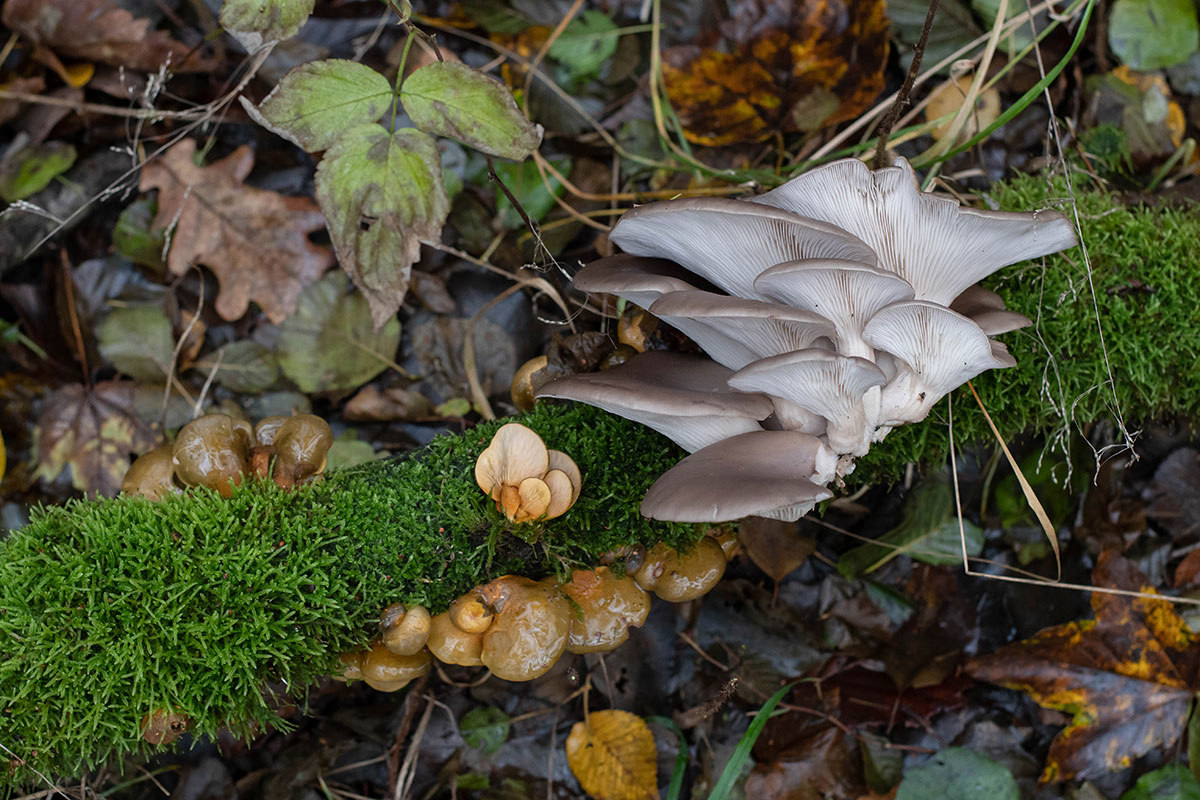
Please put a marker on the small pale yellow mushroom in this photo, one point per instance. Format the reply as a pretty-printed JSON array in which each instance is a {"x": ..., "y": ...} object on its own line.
[
  {"x": 211, "y": 451},
  {"x": 451, "y": 645},
  {"x": 679, "y": 577},
  {"x": 301, "y": 444},
  {"x": 470, "y": 615},
  {"x": 533, "y": 620},
  {"x": 404, "y": 631},
  {"x": 385, "y": 671},
  {"x": 151, "y": 475},
  {"x": 162, "y": 727},
  {"x": 526, "y": 480},
  {"x": 608, "y": 607}
]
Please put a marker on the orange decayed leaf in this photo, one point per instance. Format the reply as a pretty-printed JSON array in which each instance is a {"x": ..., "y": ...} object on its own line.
[
  {"x": 255, "y": 241},
  {"x": 781, "y": 67},
  {"x": 613, "y": 757},
  {"x": 1127, "y": 677}
]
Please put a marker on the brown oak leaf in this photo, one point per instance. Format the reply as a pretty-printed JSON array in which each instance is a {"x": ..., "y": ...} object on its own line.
[
  {"x": 93, "y": 432},
  {"x": 1127, "y": 677},
  {"x": 779, "y": 66},
  {"x": 100, "y": 30},
  {"x": 255, "y": 241}
]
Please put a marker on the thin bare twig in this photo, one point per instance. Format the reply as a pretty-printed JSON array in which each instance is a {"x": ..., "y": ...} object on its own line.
[{"x": 885, "y": 129}]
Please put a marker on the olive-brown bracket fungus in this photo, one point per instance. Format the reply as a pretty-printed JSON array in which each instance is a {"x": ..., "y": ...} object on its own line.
[{"x": 836, "y": 307}]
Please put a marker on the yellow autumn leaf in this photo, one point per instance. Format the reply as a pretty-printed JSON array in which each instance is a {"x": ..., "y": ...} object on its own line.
[{"x": 613, "y": 756}]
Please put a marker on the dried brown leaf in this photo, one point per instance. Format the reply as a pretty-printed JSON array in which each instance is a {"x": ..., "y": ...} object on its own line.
[
  {"x": 93, "y": 432},
  {"x": 255, "y": 241},
  {"x": 100, "y": 30},
  {"x": 777, "y": 547}
]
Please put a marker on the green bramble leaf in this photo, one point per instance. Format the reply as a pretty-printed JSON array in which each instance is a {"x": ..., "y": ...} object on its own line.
[
  {"x": 317, "y": 102},
  {"x": 382, "y": 193},
  {"x": 255, "y": 23},
  {"x": 328, "y": 344},
  {"x": 451, "y": 99},
  {"x": 1153, "y": 34},
  {"x": 27, "y": 171}
]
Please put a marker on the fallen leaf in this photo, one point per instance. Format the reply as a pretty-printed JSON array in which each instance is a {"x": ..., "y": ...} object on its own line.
[
  {"x": 395, "y": 402},
  {"x": 246, "y": 366},
  {"x": 1152, "y": 34},
  {"x": 28, "y": 170},
  {"x": 961, "y": 774},
  {"x": 100, "y": 30},
  {"x": 1172, "y": 782},
  {"x": 254, "y": 241},
  {"x": 1127, "y": 678},
  {"x": 777, "y": 547},
  {"x": 329, "y": 343},
  {"x": 586, "y": 43},
  {"x": 779, "y": 67},
  {"x": 612, "y": 755},
  {"x": 1175, "y": 493},
  {"x": 928, "y": 532},
  {"x": 826, "y": 766},
  {"x": 256, "y": 22},
  {"x": 9, "y": 108},
  {"x": 93, "y": 432},
  {"x": 138, "y": 341},
  {"x": 382, "y": 194}
]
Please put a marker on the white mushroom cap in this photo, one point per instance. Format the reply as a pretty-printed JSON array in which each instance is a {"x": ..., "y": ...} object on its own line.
[
  {"x": 639, "y": 280},
  {"x": 764, "y": 473},
  {"x": 940, "y": 351},
  {"x": 987, "y": 310},
  {"x": 735, "y": 331},
  {"x": 682, "y": 397},
  {"x": 729, "y": 242},
  {"x": 845, "y": 292},
  {"x": 937, "y": 245},
  {"x": 822, "y": 382}
]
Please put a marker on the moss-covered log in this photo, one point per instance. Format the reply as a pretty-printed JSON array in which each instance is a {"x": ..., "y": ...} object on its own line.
[{"x": 112, "y": 609}]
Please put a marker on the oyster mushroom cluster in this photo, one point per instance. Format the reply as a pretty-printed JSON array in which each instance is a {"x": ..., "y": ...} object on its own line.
[
  {"x": 218, "y": 452},
  {"x": 518, "y": 628},
  {"x": 834, "y": 308}
]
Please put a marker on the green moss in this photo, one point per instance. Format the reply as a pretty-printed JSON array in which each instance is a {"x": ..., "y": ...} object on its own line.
[
  {"x": 110, "y": 609},
  {"x": 1144, "y": 268}
]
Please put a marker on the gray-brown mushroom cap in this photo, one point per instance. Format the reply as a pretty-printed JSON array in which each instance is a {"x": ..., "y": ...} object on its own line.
[
  {"x": 824, "y": 383},
  {"x": 763, "y": 473},
  {"x": 845, "y": 292},
  {"x": 639, "y": 280},
  {"x": 735, "y": 331},
  {"x": 682, "y": 397},
  {"x": 939, "y": 349},
  {"x": 933, "y": 242},
  {"x": 729, "y": 242},
  {"x": 987, "y": 310}
]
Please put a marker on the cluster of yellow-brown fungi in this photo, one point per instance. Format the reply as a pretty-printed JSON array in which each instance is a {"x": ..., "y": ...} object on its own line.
[
  {"x": 517, "y": 627},
  {"x": 217, "y": 451}
]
